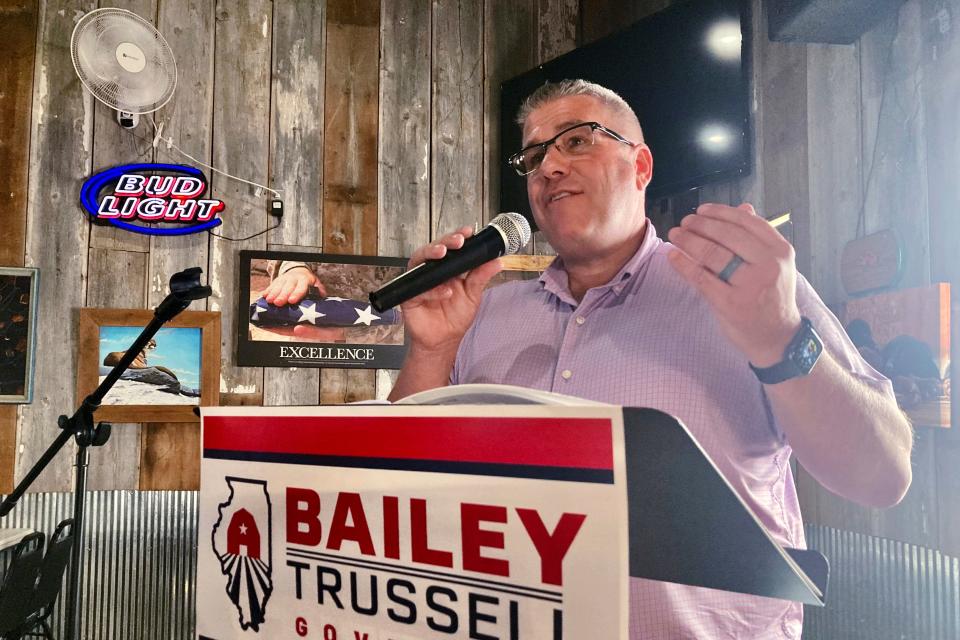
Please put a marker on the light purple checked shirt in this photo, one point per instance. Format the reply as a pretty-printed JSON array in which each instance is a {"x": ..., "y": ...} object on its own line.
[{"x": 648, "y": 339}]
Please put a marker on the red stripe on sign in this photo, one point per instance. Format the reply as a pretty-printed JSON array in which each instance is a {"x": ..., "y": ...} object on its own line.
[{"x": 554, "y": 442}]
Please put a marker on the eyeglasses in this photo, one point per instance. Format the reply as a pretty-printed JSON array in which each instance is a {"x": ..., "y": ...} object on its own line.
[{"x": 572, "y": 141}]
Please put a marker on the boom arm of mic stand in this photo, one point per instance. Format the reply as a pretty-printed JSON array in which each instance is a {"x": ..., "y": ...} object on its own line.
[{"x": 185, "y": 287}]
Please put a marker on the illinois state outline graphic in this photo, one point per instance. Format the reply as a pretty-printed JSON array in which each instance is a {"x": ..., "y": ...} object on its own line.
[{"x": 241, "y": 540}]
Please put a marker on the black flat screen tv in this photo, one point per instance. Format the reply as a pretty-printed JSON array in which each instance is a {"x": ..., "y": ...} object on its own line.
[{"x": 686, "y": 73}]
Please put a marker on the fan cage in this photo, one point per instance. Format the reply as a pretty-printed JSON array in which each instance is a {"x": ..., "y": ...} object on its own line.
[{"x": 104, "y": 77}]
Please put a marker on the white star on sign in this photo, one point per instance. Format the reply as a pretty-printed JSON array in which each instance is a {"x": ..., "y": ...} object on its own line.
[
  {"x": 257, "y": 310},
  {"x": 243, "y": 529},
  {"x": 309, "y": 313},
  {"x": 365, "y": 316}
]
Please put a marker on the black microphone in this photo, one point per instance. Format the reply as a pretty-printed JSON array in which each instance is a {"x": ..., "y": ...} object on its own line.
[{"x": 505, "y": 235}]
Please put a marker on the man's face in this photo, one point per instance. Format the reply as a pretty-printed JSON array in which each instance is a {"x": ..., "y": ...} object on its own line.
[{"x": 591, "y": 203}]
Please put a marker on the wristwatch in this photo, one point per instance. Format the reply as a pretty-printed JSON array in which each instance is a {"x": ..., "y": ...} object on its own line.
[{"x": 798, "y": 360}]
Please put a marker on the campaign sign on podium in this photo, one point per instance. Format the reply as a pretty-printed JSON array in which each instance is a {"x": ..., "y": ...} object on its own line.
[{"x": 389, "y": 522}]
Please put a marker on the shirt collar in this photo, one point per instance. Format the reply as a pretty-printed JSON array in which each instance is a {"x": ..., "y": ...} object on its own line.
[{"x": 556, "y": 281}]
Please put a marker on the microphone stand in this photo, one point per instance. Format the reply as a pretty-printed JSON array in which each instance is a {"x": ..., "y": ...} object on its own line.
[{"x": 185, "y": 287}]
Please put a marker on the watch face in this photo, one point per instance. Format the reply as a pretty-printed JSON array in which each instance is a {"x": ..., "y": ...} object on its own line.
[{"x": 806, "y": 353}]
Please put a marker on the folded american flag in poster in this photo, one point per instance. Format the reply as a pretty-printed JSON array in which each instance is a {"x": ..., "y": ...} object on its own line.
[{"x": 331, "y": 311}]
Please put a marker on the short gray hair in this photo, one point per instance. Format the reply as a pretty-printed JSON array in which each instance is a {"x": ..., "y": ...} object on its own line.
[{"x": 551, "y": 91}]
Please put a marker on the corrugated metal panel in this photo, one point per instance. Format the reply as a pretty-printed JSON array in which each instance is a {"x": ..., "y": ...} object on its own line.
[
  {"x": 140, "y": 562},
  {"x": 140, "y": 573},
  {"x": 883, "y": 589}
]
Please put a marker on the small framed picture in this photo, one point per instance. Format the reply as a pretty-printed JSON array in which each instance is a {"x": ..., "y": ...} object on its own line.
[
  {"x": 19, "y": 288},
  {"x": 177, "y": 370},
  {"x": 322, "y": 317}
]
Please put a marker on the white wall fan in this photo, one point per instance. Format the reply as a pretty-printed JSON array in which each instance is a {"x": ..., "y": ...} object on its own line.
[{"x": 124, "y": 62}]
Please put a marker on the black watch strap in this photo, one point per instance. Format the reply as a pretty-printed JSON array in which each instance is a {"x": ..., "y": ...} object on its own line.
[
  {"x": 799, "y": 358},
  {"x": 780, "y": 372}
]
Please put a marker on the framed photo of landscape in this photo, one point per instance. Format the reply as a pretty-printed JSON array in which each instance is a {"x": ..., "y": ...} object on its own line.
[{"x": 176, "y": 371}]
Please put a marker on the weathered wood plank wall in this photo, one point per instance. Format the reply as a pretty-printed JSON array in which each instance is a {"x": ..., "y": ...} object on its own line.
[
  {"x": 940, "y": 89},
  {"x": 169, "y": 451},
  {"x": 375, "y": 119},
  {"x": 114, "y": 252},
  {"x": 457, "y": 100},
  {"x": 18, "y": 39},
  {"x": 854, "y": 139},
  {"x": 350, "y": 157},
  {"x": 403, "y": 190},
  {"x": 378, "y": 121},
  {"x": 296, "y": 159},
  {"x": 58, "y": 235},
  {"x": 241, "y": 146}
]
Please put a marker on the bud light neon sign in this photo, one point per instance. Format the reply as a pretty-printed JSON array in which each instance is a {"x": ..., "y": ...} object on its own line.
[{"x": 141, "y": 194}]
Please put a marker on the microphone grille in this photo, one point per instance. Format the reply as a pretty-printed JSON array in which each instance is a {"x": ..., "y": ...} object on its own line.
[{"x": 515, "y": 228}]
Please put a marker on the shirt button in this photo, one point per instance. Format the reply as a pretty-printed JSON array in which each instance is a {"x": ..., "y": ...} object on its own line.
[
  {"x": 581, "y": 319},
  {"x": 566, "y": 374}
]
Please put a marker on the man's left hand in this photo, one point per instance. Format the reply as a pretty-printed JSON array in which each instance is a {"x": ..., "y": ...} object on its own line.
[{"x": 756, "y": 304}]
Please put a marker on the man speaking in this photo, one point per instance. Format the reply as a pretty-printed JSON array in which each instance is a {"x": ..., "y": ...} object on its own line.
[{"x": 715, "y": 327}]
